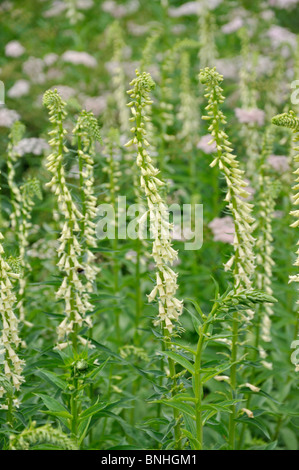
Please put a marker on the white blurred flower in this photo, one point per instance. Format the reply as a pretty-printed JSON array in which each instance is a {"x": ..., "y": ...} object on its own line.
[
  {"x": 96, "y": 104},
  {"x": 34, "y": 69},
  {"x": 79, "y": 58},
  {"x": 8, "y": 117},
  {"x": 50, "y": 59},
  {"x": 119, "y": 11},
  {"x": 193, "y": 8},
  {"x": 283, "y": 4},
  {"x": 228, "y": 67},
  {"x": 279, "y": 35},
  {"x": 20, "y": 88},
  {"x": 65, "y": 91},
  {"x": 189, "y": 8},
  {"x": 233, "y": 26},
  {"x": 33, "y": 145},
  {"x": 14, "y": 49},
  {"x": 56, "y": 9}
]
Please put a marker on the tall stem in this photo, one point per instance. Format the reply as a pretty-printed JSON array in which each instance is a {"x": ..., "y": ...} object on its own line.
[
  {"x": 233, "y": 380},
  {"x": 176, "y": 414}
]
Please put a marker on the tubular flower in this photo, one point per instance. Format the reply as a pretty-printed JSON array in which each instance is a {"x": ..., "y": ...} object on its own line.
[
  {"x": 72, "y": 289},
  {"x": 10, "y": 339},
  {"x": 236, "y": 197},
  {"x": 87, "y": 132},
  {"x": 170, "y": 308},
  {"x": 291, "y": 121},
  {"x": 266, "y": 205}
]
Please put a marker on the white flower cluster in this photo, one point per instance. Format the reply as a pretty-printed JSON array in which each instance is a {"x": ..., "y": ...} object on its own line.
[
  {"x": 16, "y": 134},
  {"x": 14, "y": 49},
  {"x": 34, "y": 145},
  {"x": 118, "y": 76},
  {"x": 87, "y": 131},
  {"x": 8, "y": 117},
  {"x": 188, "y": 112},
  {"x": 112, "y": 151},
  {"x": 264, "y": 249},
  {"x": 170, "y": 308},
  {"x": 20, "y": 88},
  {"x": 10, "y": 340},
  {"x": 79, "y": 58},
  {"x": 236, "y": 197},
  {"x": 72, "y": 289}
]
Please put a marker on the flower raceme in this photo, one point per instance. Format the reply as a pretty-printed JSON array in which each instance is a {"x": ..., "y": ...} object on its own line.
[
  {"x": 72, "y": 289},
  {"x": 10, "y": 339},
  {"x": 237, "y": 195},
  {"x": 170, "y": 308},
  {"x": 87, "y": 132},
  {"x": 291, "y": 121}
]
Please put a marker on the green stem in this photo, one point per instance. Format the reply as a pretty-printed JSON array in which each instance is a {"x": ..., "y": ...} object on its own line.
[
  {"x": 233, "y": 381},
  {"x": 176, "y": 414},
  {"x": 138, "y": 293},
  {"x": 74, "y": 410}
]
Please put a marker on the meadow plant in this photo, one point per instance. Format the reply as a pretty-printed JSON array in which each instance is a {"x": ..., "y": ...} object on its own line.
[
  {"x": 72, "y": 289},
  {"x": 242, "y": 262}
]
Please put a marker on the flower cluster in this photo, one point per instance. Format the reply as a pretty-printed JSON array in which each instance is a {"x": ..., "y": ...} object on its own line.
[
  {"x": 291, "y": 121},
  {"x": 87, "y": 132},
  {"x": 72, "y": 289},
  {"x": 170, "y": 308},
  {"x": 112, "y": 151},
  {"x": 236, "y": 197},
  {"x": 10, "y": 339},
  {"x": 16, "y": 134},
  {"x": 263, "y": 228},
  {"x": 188, "y": 112},
  {"x": 118, "y": 77},
  {"x": 47, "y": 434}
]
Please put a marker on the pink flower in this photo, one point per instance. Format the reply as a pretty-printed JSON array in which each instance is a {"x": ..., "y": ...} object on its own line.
[
  {"x": 204, "y": 145},
  {"x": 233, "y": 26},
  {"x": 279, "y": 163},
  {"x": 250, "y": 116},
  {"x": 283, "y": 4},
  {"x": 279, "y": 35},
  {"x": 223, "y": 229}
]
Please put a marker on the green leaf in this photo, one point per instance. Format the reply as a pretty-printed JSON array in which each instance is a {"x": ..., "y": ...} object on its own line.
[
  {"x": 183, "y": 407},
  {"x": 180, "y": 360}
]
